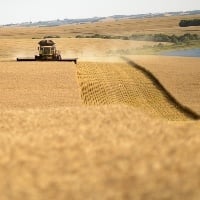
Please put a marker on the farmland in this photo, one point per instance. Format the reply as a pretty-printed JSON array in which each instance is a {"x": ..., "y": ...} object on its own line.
[
  {"x": 110, "y": 127},
  {"x": 167, "y": 25}
]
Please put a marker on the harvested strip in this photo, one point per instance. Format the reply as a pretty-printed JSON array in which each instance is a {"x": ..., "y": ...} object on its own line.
[{"x": 118, "y": 83}]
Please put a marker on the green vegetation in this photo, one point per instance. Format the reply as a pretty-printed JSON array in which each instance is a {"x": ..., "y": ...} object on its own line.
[
  {"x": 166, "y": 38},
  {"x": 193, "y": 22},
  {"x": 103, "y": 36},
  {"x": 36, "y": 38},
  {"x": 47, "y": 37},
  {"x": 51, "y": 36},
  {"x": 155, "y": 49},
  {"x": 149, "y": 37},
  {"x": 185, "y": 41}
]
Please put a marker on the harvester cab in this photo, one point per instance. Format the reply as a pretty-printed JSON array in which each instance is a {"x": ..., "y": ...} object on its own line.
[{"x": 48, "y": 52}]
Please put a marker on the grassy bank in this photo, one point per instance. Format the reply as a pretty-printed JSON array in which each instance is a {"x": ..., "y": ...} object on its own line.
[{"x": 164, "y": 42}]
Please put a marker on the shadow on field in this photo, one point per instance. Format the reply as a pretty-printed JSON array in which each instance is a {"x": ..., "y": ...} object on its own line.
[{"x": 187, "y": 111}]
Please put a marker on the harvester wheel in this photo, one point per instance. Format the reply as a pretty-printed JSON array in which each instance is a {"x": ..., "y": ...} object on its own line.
[
  {"x": 59, "y": 57},
  {"x": 36, "y": 57}
]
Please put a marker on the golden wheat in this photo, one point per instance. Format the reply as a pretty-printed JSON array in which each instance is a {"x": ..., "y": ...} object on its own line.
[
  {"x": 166, "y": 25},
  {"x": 122, "y": 84},
  {"x": 55, "y": 146},
  {"x": 38, "y": 85},
  {"x": 179, "y": 75},
  {"x": 10, "y": 49}
]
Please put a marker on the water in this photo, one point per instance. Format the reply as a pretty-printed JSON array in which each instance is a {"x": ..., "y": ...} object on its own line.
[{"x": 184, "y": 53}]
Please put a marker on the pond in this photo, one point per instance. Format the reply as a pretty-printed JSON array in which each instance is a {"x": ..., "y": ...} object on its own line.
[{"x": 184, "y": 53}]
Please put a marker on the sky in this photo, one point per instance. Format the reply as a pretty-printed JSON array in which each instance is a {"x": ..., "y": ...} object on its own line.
[{"x": 16, "y": 11}]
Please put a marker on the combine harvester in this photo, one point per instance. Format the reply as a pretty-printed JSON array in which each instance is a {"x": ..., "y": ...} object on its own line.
[{"x": 47, "y": 52}]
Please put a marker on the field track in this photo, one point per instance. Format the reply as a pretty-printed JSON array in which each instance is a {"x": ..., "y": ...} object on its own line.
[{"x": 118, "y": 83}]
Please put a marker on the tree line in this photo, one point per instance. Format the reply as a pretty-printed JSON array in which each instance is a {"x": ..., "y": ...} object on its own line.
[
  {"x": 148, "y": 37},
  {"x": 193, "y": 22}
]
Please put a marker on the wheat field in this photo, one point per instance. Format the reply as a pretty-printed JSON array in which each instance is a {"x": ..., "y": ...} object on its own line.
[
  {"x": 121, "y": 84},
  {"x": 95, "y": 130},
  {"x": 184, "y": 75},
  {"x": 167, "y": 25},
  {"x": 106, "y": 128},
  {"x": 69, "y": 47}
]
